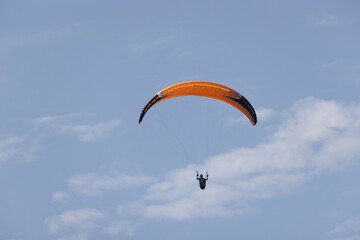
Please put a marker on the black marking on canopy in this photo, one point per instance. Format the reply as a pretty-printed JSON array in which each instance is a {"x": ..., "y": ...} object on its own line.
[
  {"x": 152, "y": 101},
  {"x": 246, "y": 104}
]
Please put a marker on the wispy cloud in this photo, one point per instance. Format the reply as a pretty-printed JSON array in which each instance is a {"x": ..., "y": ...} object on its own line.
[
  {"x": 316, "y": 137},
  {"x": 117, "y": 227},
  {"x": 333, "y": 63},
  {"x": 8, "y": 43},
  {"x": 94, "y": 184},
  {"x": 348, "y": 225},
  {"x": 60, "y": 118},
  {"x": 353, "y": 67},
  {"x": 77, "y": 236},
  {"x": 149, "y": 43},
  {"x": 356, "y": 81},
  {"x": 263, "y": 114},
  {"x": 86, "y": 133},
  {"x": 83, "y": 222},
  {"x": 25, "y": 147},
  {"x": 17, "y": 148},
  {"x": 81, "y": 219},
  {"x": 60, "y": 196},
  {"x": 350, "y": 229},
  {"x": 349, "y": 238},
  {"x": 341, "y": 62},
  {"x": 165, "y": 39},
  {"x": 326, "y": 21},
  {"x": 83, "y": 132}
]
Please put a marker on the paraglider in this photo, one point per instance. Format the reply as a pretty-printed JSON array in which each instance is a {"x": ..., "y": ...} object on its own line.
[{"x": 203, "y": 89}]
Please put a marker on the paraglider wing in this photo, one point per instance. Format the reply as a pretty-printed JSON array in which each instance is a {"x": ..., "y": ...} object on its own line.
[{"x": 204, "y": 89}]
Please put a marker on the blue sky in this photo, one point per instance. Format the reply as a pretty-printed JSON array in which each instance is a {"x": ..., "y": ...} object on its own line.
[{"x": 75, "y": 164}]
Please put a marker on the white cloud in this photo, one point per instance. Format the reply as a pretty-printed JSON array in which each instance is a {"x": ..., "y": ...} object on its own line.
[
  {"x": 23, "y": 148},
  {"x": 87, "y": 133},
  {"x": 93, "y": 184},
  {"x": 348, "y": 238},
  {"x": 59, "y": 118},
  {"x": 353, "y": 67},
  {"x": 83, "y": 132},
  {"x": 17, "y": 148},
  {"x": 78, "y": 236},
  {"x": 263, "y": 114},
  {"x": 348, "y": 225},
  {"x": 165, "y": 39},
  {"x": 333, "y": 63},
  {"x": 356, "y": 81},
  {"x": 60, "y": 196},
  {"x": 116, "y": 228},
  {"x": 233, "y": 121},
  {"x": 8, "y": 148},
  {"x": 17, "y": 41},
  {"x": 316, "y": 137},
  {"x": 147, "y": 44},
  {"x": 327, "y": 21},
  {"x": 81, "y": 219}
]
